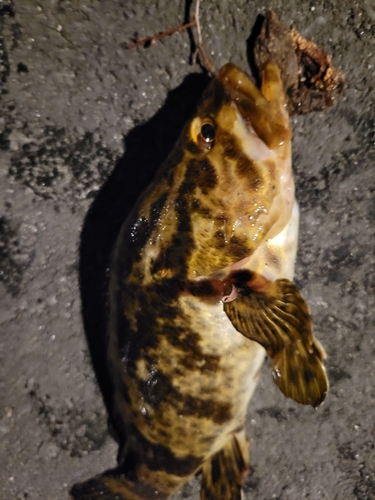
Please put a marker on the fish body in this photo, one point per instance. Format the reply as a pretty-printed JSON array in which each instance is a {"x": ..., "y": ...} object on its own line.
[{"x": 200, "y": 291}]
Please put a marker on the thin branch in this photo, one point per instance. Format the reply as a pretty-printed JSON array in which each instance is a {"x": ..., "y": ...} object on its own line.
[
  {"x": 151, "y": 40},
  {"x": 199, "y": 51},
  {"x": 197, "y": 20}
]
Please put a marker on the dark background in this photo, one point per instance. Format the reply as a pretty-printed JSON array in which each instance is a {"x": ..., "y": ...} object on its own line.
[{"x": 84, "y": 123}]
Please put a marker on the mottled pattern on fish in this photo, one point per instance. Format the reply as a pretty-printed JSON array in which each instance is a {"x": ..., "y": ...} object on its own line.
[{"x": 222, "y": 204}]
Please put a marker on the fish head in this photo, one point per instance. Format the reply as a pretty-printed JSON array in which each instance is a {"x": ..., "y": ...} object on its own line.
[
  {"x": 226, "y": 186},
  {"x": 237, "y": 166}
]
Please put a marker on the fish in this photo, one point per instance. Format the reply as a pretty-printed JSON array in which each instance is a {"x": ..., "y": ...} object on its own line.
[{"x": 201, "y": 292}]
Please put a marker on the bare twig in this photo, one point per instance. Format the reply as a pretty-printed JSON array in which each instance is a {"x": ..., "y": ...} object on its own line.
[
  {"x": 151, "y": 40},
  {"x": 199, "y": 51},
  {"x": 196, "y": 16}
]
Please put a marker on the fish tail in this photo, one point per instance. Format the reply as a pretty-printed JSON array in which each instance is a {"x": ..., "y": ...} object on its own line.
[
  {"x": 222, "y": 474},
  {"x": 113, "y": 485},
  {"x": 104, "y": 487}
]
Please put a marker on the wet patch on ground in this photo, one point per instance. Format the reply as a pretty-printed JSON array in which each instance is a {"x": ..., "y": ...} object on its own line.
[{"x": 58, "y": 166}]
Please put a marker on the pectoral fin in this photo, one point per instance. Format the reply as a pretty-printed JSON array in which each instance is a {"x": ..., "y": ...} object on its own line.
[{"x": 275, "y": 315}]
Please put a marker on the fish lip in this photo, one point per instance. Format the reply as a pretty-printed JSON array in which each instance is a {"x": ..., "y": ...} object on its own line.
[
  {"x": 242, "y": 91},
  {"x": 234, "y": 78},
  {"x": 269, "y": 121}
]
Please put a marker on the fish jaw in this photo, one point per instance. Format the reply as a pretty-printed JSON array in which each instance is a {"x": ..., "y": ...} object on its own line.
[
  {"x": 263, "y": 110},
  {"x": 263, "y": 132}
]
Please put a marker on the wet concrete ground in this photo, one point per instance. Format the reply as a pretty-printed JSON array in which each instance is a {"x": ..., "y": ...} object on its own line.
[{"x": 75, "y": 103}]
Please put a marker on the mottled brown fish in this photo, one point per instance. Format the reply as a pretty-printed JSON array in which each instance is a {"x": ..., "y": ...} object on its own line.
[{"x": 201, "y": 291}]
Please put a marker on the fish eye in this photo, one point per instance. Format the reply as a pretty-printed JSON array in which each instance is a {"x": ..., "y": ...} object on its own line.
[
  {"x": 206, "y": 135},
  {"x": 203, "y": 133},
  {"x": 208, "y": 132}
]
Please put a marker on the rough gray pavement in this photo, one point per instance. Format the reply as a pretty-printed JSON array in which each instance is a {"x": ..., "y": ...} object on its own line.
[{"x": 71, "y": 93}]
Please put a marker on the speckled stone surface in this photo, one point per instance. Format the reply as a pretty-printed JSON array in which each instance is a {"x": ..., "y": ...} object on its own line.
[{"x": 77, "y": 106}]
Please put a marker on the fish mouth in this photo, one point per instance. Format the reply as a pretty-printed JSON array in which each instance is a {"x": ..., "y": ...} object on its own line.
[
  {"x": 238, "y": 84},
  {"x": 249, "y": 100},
  {"x": 257, "y": 112}
]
